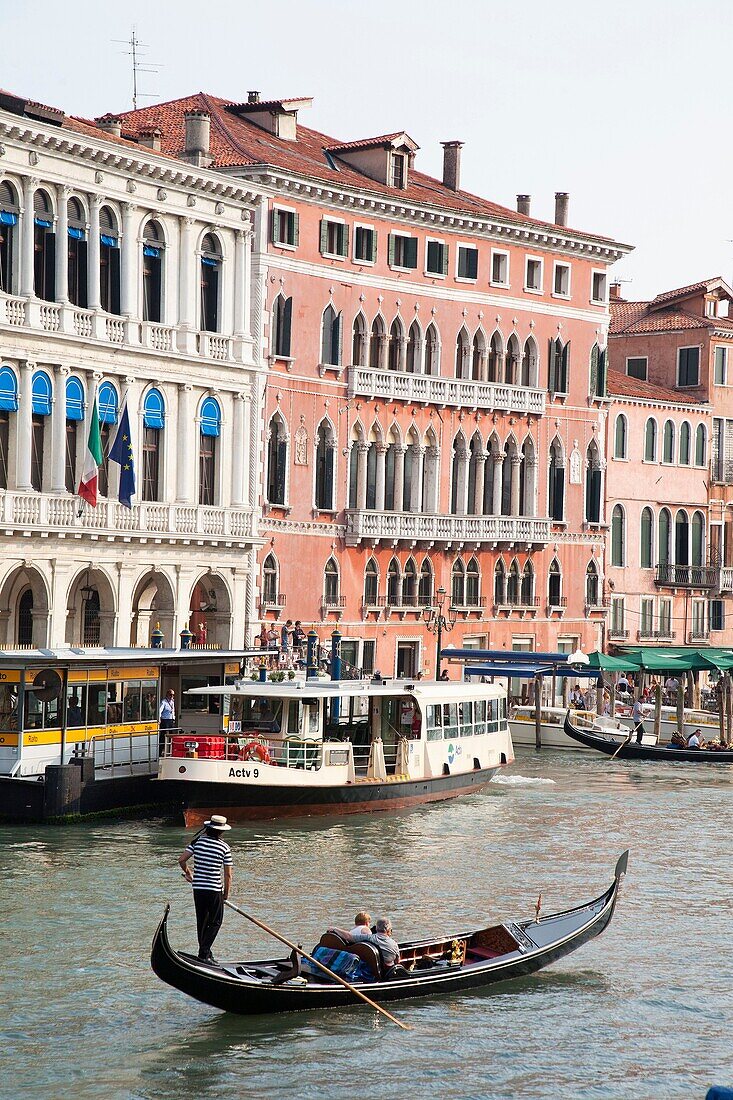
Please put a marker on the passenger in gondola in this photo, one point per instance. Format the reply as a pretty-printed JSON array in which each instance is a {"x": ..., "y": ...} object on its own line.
[
  {"x": 381, "y": 938},
  {"x": 695, "y": 740},
  {"x": 361, "y": 930},
  {"x": 677, "y": 741}
]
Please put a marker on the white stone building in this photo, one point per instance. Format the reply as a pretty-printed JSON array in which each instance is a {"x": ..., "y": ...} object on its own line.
[{"x": 125, "y": 271}]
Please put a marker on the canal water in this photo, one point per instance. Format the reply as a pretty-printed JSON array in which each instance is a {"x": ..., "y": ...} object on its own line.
[{"x": 645, "y": 1011}]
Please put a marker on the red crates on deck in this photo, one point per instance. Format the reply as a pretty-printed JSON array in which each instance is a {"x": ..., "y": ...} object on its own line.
[{"x": 208, "y": 748}]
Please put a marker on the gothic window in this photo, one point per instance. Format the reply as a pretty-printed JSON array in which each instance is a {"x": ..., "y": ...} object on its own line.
[
  {"x": 277, "y": 459},
  {"x": 282, "y": 313}
]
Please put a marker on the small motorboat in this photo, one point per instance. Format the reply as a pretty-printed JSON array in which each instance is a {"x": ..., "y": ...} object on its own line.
[
  {"x": 631, "y": 750},
  {"x": 463, "y": 960}
]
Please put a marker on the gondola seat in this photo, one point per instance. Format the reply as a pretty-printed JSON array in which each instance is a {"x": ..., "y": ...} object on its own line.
[{"x": 367, "y": 952}]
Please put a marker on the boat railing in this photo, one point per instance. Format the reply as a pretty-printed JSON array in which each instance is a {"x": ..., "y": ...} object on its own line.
[
  {"x": 250, "y": 746},
  {"x": 123, "y": 754}
]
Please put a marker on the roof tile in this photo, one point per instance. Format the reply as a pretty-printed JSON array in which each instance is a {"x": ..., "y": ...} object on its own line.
[{"x": 622, "y": 385}]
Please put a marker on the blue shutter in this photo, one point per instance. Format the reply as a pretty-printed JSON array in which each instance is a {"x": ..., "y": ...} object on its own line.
[
  {"x": 111, "y": 242},
  {"x": 74, "y": 399},
  {"x": 210, "y": 417},
  {"x": 107, "y": 403},
  {"x": 43, "y": 222},
  {"x": 154, "y": 409},
  {"x": 8, "y": 390},
  {"x": 8, "y": 218},
  {"x": 148, "y": 250},
  {"x": 42, "y": 392},
  {"x": 76, "y": 234}
]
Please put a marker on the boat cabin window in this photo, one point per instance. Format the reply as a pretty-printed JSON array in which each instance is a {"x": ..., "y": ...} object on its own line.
[
  {"x": 303, "y": 717},
  {"x": 96, "y": 704},
  {"x": 479, "y": 716},
  {"x": 465, "y": 718},
  {"x": 114, "y": 703},
  {"x": 8, "y": 707},
  {"x": 76, "y": 705},
  {"x": 262, "y": 714},
  {"x": 434, "y": 721},
  {"x": 40, "y": 715},
  {"x": 139, "y": 700},
  {"x": 347, "y": 719},
  {"x": 450, "y": 720},
  {"x": 199, "y": 704}
]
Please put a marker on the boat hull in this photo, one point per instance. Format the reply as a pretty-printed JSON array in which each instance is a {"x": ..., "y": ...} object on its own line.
[
  {"x": 632, "y": 751},
  {"x": 250, "y": 803},
  {"x": 222, "y": 987}
]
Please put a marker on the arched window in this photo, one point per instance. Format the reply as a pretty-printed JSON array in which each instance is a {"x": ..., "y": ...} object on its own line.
[
  {"x": 371, "y": 476},
  {"x": 210, "y": 276},
  {"x": 91, "y": 626},
  {"x": 618, "y": 536},
  {"x": 527, "y": 477},
  {"x": 668, "y": 442},
  {"x": 557, "y": 366},
  {"x": 499, "y": 584},
  {"x": 277, "y": 461},
  {"x": 511, "y": 362},
  {"x": 109, "y": 261},
  {"x": 530, "y": 368},
  {"x": 508, "y": 473},
  {"x": 478, "y": 356},
  {"x": 371, "y": 584},
  {"x": 620, "y": 434},
  {"x": 208, "y": 450},
  {"x": 394, "y": 578},
  {"x": 665, "y": 531},
  {"x": 495, "y": 357},
  {"x": 527, "y": 591},
  {"x": 425, "y": 592},
  {"x": 457, "y": 463},
  {"x": 42, "y": 395},
  {"x": 152, "y": 269},
  {"x": 25, "y": 618},
  {"x": 685, "y": 442},
  {"x": 8, "y": 406},
  {"x": 458, "y": 584},
  {"x": 359, "y": 341},
  {"x": 270, "y": 582},
  {"x": 700, "y": 446},
  {"x": 376, "y": 342},
  {"x": 354, "y": 473},
  {"x": 512, "y": 584},
  {"x": 593, "y": 484},
  {"x": 153, "y": 426},
  {"x": 473, "y": 584},
  {"x": 650, "y": 440},
  {"x": 698, "y": 539},
  {"x": 432, "y": 350},
  {"x": 325, "y": 451},
  {"x": 331, "y": 596},
  {"x": 681, "y": 538},
  {"x": 9, "y": 210},
  {"x": 475, "y": 451},
  {"x": 75, "y": 408},
  {"x": 107, "y": 405},
  {"x": 462, "y": 354},
  {"x": 282, "y": 315},
  {"x": 331, "y": 337},
  {"x": 409, "y": 584},
  {"x": 44, "y": 248},
  {"x": 598, "y": 371},
  {"x": 592, "y": 594},
  {"x": 554, "y": 584},
  {"x": 412, "y": 359},
  {"x": 77, "y": 253},
  {"x": 394, "y": 351},
  {"x": 645, "y": 543}
]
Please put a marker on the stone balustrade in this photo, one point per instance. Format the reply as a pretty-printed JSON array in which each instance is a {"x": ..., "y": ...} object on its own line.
[
  {"x": 414, "y": 527},
  {"x": 433, "y": 390}
]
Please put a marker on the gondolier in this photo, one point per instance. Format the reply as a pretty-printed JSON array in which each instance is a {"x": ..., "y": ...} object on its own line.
[{"x": 211, "y": 879}]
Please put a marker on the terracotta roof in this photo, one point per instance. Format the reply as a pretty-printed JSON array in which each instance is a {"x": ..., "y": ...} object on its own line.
[
  {"x": 287, "y": 102},
  {"x": 366, "y": 143},
  {"x": 674, "y": 320},
  {"x": 681, "y": 292},
  {"x": 235, "y": 142},
  {"x": 624, "y": 313},
  {"x": 622, "y": 385}
]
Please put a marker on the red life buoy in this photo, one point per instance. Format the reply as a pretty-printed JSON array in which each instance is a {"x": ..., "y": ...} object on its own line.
[{"x": 253, "y": 750}]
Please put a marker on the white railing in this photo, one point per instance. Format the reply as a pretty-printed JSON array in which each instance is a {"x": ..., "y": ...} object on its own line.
[
  {"x": 375, "y": 526},
  {"x": 157, "y": 337},
  {"x": 115, "y": 329},
  {"x": 50, "y": 317},
  {"x": 212, "y": 346},
  {"x": 83, "y": 321},
  {"x": 430, "y": 390},
  {"x": 46, "y": 512},
  {"x": 15, "y": 312},
  {"x": 726, "y": 579}
]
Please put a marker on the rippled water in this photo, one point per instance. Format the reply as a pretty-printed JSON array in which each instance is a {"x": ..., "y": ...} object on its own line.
[{"x": 645, "y": 1011}]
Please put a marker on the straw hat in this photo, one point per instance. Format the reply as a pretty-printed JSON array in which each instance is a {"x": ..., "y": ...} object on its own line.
[{"x": 218, "y": 821}]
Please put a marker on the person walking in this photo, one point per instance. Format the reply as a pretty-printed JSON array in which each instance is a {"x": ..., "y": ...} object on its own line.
[{"x": 211, "y": 880}]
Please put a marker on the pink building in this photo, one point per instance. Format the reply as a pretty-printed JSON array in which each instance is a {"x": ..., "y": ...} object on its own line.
[{"x": 435, "y": 413}]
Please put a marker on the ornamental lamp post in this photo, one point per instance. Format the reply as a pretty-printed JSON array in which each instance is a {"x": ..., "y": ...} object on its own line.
[{"x": 436, "y": 623}]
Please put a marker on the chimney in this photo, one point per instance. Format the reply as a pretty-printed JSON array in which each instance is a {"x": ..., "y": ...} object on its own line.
[
  {"x": 561, "y": 207},
  {"x": 523, "y": 202},
  {"x": 615, "y": 293},
  {"x": 452, "y": 164},
  {"x": 150, "y": 139},
  {"x": 111, "y": 125},
  {"x": 253, "y": 97},
  {"x": 196, "y": 143}
]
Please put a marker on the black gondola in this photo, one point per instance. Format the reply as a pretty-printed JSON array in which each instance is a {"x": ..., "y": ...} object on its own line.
[
  {"x": 631, "y": 750},
  {"x": 467, "y": 960}
]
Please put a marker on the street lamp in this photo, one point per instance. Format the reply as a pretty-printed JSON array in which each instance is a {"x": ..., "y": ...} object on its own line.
[{"x": 437, "y": 623}]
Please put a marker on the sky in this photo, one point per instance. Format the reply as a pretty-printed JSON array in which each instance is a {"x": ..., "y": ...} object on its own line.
[{"x": 622, "y": 104}]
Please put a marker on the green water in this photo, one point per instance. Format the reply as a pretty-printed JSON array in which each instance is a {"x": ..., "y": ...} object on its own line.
[{"x": 645, "y": 1011}]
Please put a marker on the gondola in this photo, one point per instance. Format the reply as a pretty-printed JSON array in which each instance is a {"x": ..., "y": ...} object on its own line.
[
  {"x": 631, "y": 750},
  {"x": 467, "y": 960}
]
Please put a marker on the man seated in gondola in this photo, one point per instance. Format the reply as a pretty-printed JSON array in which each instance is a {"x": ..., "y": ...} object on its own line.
[
  {"x": 381, "y": 938},
  {"x": 695, "y": 740}
]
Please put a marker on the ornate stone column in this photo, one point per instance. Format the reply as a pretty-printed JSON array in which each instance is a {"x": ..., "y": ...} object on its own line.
[
  {"x": 25, "y": 426},
  {"x": 186, "y": 301},
  {"x": 58, "y": 431},
  {"x": 185, "y": 460},
  {"x": 498, "y": 475},
  {"x": 241, "y": 310},
  {"x": 30, "y": 183},
  {"x": 381, "y": 473},
  {"x": 478, "y": 490},
  {"x": 128, "y": 263},
  {"x": 93, "y": 252},
  {"x": 402, "y": 355},
  {"x": 62, "y": 244},
  {"x": 362, "y": 450},
  {"x": 238, "y": 450},
  {"x": 516, "y": 463},
  {"x": 417, "y": 475},
  {"x": 399, "y": 477}
]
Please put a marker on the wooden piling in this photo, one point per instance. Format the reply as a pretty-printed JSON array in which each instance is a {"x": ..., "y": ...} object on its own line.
[{"x": 538, "y": 712}]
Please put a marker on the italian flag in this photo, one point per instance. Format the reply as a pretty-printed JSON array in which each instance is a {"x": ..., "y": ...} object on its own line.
[{"x": 92, "y": 461}]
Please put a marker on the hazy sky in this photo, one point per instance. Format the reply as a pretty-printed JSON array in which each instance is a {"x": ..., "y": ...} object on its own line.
[{"x": 623, "y": 104}]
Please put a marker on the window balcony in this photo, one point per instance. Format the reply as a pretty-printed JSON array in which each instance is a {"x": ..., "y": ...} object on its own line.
[
  {"x": 373, "y": 527},
  {"x": 687, "y": 576},
  {"x": 618, "y": 634},
  {"x": 698, "y": 635},
  {"x": 424, "y": 389},
  {"x": 557, "y": 605},
  {"x": 273, "y": 601},
  {"x": 45, "y": 513},
  {"x": 599, "y": 605},
  {"x": 655, "y": 635}
]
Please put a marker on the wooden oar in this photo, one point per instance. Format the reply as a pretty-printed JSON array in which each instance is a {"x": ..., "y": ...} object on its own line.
[
  {"x": 623, "y": 743},
  {"x": 330, "y": 973}
]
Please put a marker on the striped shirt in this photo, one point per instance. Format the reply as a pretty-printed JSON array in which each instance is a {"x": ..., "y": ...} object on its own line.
[{"x": 210, "y": 855}]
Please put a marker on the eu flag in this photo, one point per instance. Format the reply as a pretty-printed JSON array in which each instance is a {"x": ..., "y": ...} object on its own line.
[{"x": 121, "y": 451}]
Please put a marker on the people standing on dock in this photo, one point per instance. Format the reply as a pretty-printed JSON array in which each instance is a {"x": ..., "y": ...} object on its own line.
[
  {"x": 167, "y": 713},
  {"x": 211, "y": 879}
]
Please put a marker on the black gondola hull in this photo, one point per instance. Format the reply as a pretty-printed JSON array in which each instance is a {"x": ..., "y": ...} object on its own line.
[
  {"x": 216, "y": 986},
  {"x": 631, "y": 750}
]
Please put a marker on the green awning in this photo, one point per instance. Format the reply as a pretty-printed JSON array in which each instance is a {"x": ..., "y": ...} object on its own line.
[{"x": 611, "y": 664}]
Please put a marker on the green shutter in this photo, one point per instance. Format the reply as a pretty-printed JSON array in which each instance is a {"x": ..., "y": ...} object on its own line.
[
  {"x": 296, "y": 230},
  {"x": 374, "y": 245},
  {"x": 411, "y": 252},
  {"x": 551, "y": 354},
  {"x": 444, "y": 260},
  {"x": 602, "y": 372},
  {"x": 344, "y": 241},
  {"x": 390, "y": 249},
  {"x": 593, "y": 389},
  {"x": 273, "y": 227},
  {"x": 324, "y": 236},
  {"x": 564, "y": 371},
  {"x": 338, "y": 357}
]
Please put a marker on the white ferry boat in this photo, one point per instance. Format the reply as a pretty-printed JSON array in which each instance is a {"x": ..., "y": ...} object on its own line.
[
  {"x": 552, "y": 721},
  {"x": 334, "y": 747}
]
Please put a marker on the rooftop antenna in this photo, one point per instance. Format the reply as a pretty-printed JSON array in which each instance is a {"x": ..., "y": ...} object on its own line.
[{"x": 136, "y": 49}]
